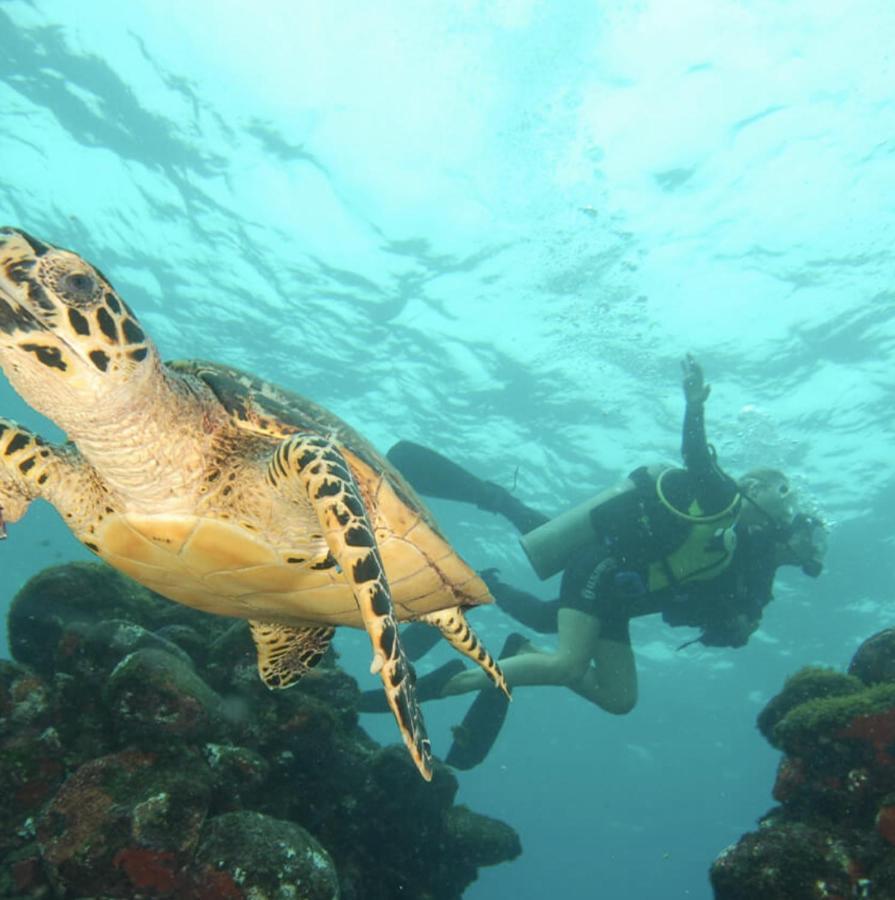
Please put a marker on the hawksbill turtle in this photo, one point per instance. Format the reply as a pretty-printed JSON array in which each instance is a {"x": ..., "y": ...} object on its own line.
[{"x": 217, "y": 489}]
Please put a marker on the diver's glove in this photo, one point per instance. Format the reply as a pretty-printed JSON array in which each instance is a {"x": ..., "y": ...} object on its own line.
[
  {"x": 617, "y": 591},
  {"x": 735, "y": 632},
  {"x": 696, "y": 391}
]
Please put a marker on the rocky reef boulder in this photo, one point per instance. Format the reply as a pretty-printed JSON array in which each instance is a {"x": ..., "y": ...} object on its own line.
[
  {"x": 874, "y": 660},
  {"x": 833, "y": 834},
  {"x": 123, "y": 823},
  {"x": 31, "y": 764},
  {"x": 141, "y": 756},
  {"x": 265, "y": 857},
  {"x": 155, "y": 696},
  {"x": 51, "y": 613}
]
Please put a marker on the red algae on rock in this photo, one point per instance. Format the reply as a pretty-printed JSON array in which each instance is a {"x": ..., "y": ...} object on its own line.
[
  {"x": 142, "y": 758},
  {"x": 833, "y": 836}
]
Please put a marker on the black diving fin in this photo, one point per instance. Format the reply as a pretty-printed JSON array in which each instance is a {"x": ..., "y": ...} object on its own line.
[
  {"x": 427, "y": 688},
  {"x": 475, "y": 735},
  {"x": 435, "y": 475}
]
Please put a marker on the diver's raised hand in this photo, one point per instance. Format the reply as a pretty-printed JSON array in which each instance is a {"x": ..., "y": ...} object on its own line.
[{"x": 696, "y": 390}]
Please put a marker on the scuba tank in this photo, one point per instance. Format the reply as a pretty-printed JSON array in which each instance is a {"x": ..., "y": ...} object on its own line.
[{"x": 549, "y": 547}]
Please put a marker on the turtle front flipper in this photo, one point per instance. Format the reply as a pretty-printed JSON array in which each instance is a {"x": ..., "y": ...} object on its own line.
[
  {"x": 285, "y": 652},
  {"x": 328, "y": 483},
  {"x": 28, "y": 465},
  {"x": 459, "y": 634}
]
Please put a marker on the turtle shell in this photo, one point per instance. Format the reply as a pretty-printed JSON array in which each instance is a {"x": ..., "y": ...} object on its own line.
[
  {"x": 215, "y": 560},
  {"x": 264, "y": 408}
]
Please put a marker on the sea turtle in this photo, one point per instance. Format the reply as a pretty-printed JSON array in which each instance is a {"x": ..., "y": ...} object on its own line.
[{"x": 217, "y": 489}]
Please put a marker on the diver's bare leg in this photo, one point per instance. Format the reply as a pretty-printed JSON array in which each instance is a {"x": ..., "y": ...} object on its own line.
[
  {"x": 611, "y": 681},
  {"x": 578, "y": 641}
]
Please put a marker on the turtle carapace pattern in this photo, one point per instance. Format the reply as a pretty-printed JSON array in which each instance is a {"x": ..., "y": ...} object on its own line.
[{"x": 217, "y": 489}]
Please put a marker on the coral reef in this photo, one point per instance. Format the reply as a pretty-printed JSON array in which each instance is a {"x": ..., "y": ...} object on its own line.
[
  {"x": 140, "y": 756},
  {"x": 833, "y": 834}
]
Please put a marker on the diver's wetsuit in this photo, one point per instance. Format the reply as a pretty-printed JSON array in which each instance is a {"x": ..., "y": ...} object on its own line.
[
  {"x": 714, "y": 488},
  {"x": 727, "y": 607},
  {"x": 607, "y": 578}
]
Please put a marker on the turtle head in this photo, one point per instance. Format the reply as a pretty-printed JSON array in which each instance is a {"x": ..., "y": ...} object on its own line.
[{"x": 67, "y": 340}]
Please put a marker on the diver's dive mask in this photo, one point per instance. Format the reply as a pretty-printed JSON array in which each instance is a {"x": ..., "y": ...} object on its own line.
[{"x": 806, "y": 537}]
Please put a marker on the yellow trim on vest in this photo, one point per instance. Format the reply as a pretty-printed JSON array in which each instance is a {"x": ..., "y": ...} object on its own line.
[
  {"x": 698, "y": 516},
  {"x": 707, "y": 549}
]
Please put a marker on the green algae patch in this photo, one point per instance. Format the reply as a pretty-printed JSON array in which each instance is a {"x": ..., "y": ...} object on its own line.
[
  {"x": 861, "y": 716},
  {"x": 813, "y": 683}
]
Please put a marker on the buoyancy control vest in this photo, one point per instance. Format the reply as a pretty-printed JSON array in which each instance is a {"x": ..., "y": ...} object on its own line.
[
  {"x": 649, "y": 522},
  {"x": 708, "y": 543}
]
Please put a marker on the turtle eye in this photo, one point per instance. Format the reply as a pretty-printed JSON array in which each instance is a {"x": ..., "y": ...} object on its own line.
[{"x": 77, "y": 286}]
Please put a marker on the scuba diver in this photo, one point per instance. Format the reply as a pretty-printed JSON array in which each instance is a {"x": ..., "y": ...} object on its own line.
[{"x": 692, "y": 544}]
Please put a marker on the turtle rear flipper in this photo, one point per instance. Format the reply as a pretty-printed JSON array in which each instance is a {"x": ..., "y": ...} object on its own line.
[
  {"x": 336, "y": 499},
  {"x": 285, "y": 653}
]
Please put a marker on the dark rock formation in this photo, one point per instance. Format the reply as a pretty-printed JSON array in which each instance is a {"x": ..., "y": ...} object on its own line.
[
  {"x": 141, "y": 756},
  {"x": 265, "y": 855},
  {"x": 874, "y": 660},
  {"x": 154, "y": 696},
  {"x": 833, "y": 834},
  {"x": 119, "y": 816}
]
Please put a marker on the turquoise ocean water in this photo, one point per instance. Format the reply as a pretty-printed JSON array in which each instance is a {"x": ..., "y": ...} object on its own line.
[{"x": 494, "y": 228}]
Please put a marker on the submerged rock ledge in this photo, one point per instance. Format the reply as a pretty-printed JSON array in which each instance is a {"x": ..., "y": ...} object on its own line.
[
  {"x": 833, "y": 834},
  {"x": 141, "y": 756}
]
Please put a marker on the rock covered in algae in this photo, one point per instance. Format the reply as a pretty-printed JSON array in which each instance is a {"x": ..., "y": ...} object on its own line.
[
  {"x": 142, "y": 757},
  {"x": 155, "y": 696},
  {"x": 32, "y": 767},
  {"x": 265, "y": 857},
  {"x": 787, "y": 861},
  {"x": 52, "y": 612},
  {"x": 811, "y": 683},
  {"x": 833, "y": 834},
  {"x": 118, "y": 817}
]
